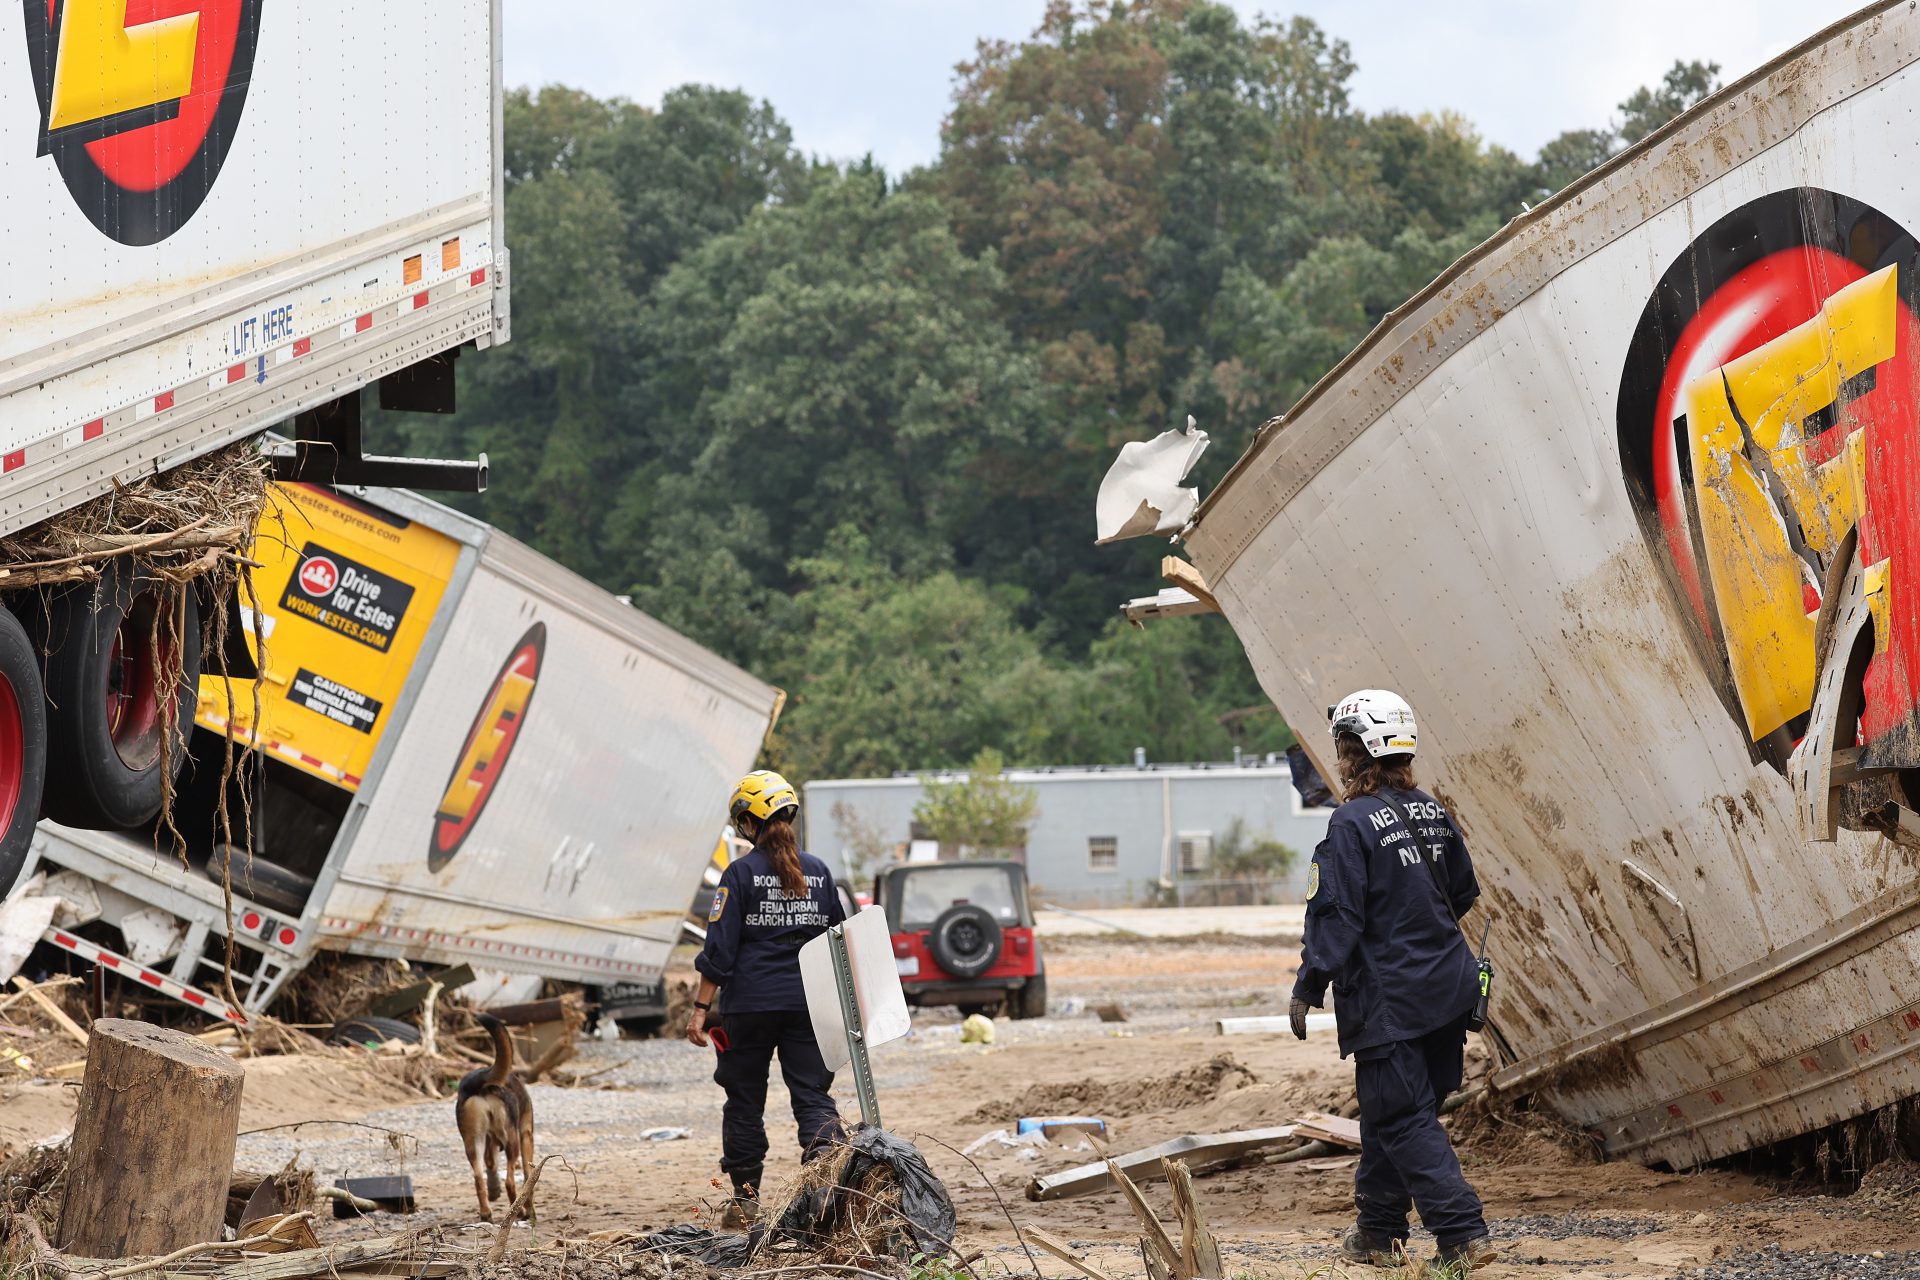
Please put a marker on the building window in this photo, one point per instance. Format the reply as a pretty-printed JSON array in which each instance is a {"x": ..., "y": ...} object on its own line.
[
  {"x": 1196, "y": 851},
  {"x": 1103, "y": 853}
]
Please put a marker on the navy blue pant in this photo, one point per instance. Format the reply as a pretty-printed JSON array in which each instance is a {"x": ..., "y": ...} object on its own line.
[
  {"x": 751, "y": 1041},
  {"x": 1405, "y": 1157}
]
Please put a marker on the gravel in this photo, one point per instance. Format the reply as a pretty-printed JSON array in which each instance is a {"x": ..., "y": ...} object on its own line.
[
  {"x": 1775, "y": 1263},
  {"x": 1571, "y": 1226}
]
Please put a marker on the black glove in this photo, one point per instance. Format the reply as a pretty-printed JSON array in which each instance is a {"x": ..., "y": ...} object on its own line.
[{"x": 1297, "y": 1014}]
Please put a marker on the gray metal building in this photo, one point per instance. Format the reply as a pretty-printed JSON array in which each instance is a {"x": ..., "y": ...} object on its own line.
[{"x": 1103, "y": 835}]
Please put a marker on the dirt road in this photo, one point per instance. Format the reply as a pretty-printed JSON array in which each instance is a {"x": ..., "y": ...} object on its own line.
[{"x": 1160, "y": 1074}]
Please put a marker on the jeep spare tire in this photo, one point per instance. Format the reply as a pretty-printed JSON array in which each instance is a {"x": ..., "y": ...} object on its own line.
[{"x": 965, "y": 940}]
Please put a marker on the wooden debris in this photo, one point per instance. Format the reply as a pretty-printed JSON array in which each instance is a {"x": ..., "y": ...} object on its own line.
[
  {"x": 1200, "y": 1150},
  {"x": 282, "y": 1233},
  {"x": 1199, "y": 1251},
  {"x": 1065, "y": 1252},
  {"x": 52, "y": 1010},
  {"x": 328, "y": 1260},
  {"x": 1329, "y": 1128},
  {"x": 1154, "y": 1239},
  {"x": 156, "y": 1126},
  {"x": 408, "y": 998}
]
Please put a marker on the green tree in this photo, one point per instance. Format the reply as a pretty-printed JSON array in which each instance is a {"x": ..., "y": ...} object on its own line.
[
  {"x": 1651, "y": 106},
  {"x": 1257, "y": 857},
  {"x": 984, "y": 813},
  {"x": 889, "y": 674}
]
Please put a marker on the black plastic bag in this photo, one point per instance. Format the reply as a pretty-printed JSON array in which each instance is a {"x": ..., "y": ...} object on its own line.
[
  {"x": 715, "y": 1248},
  {"x": 819, "y": 1213}
]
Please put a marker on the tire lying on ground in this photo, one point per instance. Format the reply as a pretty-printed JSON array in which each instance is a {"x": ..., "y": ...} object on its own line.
[
  {"x": 372, "y": 1031},
  {"x": 107, "y": 645},
  {"x": 23, "y": 746},
  {"x": 965, "y": 940}
]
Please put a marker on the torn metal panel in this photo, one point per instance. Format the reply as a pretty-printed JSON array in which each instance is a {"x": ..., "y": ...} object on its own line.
[{"x": 1142, "y": 494}]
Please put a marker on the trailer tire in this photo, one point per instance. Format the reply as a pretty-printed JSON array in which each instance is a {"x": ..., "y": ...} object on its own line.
[
  {"x": 369, "y": 1030},
  {"x": 965, "y": 940},
  {"x": 105, "y": 721},
  {"x": 23, "y": 746},
  {"x": 267, "y": 883}
]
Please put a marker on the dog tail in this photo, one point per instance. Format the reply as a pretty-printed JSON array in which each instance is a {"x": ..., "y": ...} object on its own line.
[{"x": 502, "y": 1049}]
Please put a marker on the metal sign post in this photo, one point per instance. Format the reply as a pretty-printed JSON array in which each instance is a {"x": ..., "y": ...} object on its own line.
[
  {"x": 856, "y": 1034},
  {"x": 854, "y": 999}
]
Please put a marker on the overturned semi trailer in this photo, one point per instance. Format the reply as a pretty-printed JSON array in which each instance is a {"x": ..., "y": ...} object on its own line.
[{"x": 1628, "y": 504}]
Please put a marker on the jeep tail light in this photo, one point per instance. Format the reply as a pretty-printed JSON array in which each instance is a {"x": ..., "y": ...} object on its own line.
[
  {"x": 1022, "y": 943},
  {"x": 902, "y": 947}
]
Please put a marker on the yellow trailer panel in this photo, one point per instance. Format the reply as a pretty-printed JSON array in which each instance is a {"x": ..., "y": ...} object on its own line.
[{"x": 345, "y": 597}]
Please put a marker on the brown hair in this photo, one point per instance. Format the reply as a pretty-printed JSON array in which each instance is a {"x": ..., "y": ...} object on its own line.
[
  {"x": 1362, "y": 775},
  {"x": 783, "y": 850}
]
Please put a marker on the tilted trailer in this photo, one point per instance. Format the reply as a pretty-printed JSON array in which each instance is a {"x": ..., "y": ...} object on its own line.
[{"x": 1627, "y": 503}]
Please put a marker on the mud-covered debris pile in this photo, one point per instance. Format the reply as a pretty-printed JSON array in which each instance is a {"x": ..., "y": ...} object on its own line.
[{"x": 1200, "y": 1083}]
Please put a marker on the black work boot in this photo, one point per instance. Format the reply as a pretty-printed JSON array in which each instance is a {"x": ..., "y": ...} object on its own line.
[
  {"x": 1371, "y": 1250},
  {"x": 744, "y": 1209},
  {"x": 1458, "y": 1261}
]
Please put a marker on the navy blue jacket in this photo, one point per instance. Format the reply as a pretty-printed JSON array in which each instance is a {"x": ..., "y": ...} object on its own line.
[
  {"x": 754, "y": 933},
  {"x": 1380, "y": 930}
]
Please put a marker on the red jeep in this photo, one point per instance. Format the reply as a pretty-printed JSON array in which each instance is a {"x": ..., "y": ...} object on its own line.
[{"x": 963, "y": 935}]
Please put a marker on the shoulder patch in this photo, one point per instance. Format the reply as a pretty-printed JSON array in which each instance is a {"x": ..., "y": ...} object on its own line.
[
  {"x": 1313, "y": 880},
  {"x": 719, "y": 903}
]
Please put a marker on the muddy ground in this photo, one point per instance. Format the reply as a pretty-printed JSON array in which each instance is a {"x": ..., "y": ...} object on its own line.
[{"x": 1162, "y": 1073}]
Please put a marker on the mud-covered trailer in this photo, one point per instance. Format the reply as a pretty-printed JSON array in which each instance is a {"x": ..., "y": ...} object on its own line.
[{"x": 1628, "y": 504}]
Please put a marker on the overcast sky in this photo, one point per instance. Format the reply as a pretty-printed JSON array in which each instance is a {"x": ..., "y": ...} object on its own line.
[{"x": 874, "y": 76}]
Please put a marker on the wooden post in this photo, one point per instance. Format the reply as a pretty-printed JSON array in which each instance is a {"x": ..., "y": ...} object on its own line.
[{"x": 153, "y": 1143}]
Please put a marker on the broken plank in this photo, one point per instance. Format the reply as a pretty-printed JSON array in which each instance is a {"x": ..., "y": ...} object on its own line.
[
  {"x": 52, "y": 1010},
  {"x": 1329, "y": 1128},
  {"x": 307, "y": 1263},
  {"x": 1263, "y": 1026},
  {"x": 1200, "y": 1150},
  {"x": 1062, "y": 1250},
  {"x": 1199, "y": 1251},
  {"x": 1155, "y": 1237}
]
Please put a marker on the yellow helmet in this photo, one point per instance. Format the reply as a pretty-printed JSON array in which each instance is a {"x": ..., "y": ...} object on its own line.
[{"x": 761, "y": 794}]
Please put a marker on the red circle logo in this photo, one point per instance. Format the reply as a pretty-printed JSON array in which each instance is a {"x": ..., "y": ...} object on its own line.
[
  {"x": 140, "y": 101},
  {"x": 319, "y": 576},
  {"x": 483, "y": 756},
  {"x": 1769, "y": 428}
]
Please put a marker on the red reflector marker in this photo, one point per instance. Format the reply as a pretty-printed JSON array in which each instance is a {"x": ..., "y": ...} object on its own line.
[
  {"x": 287, "y": 937},
  {"x": 251, "y": 920}
]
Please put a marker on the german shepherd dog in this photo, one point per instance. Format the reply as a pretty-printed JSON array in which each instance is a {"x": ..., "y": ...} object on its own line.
[{"x": 495, "y": 1115}]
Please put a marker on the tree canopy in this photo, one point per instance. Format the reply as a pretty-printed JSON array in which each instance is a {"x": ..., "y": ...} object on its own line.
[{"x": 845, "y": 426}]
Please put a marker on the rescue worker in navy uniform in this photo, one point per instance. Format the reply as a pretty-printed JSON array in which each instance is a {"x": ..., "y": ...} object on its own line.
[
  {"x": 1384, "y": 895},
  {"x": 768, "y": 903}
]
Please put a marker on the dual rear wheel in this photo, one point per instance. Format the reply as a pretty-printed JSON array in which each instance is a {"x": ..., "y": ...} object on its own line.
[{"x": 98, "y": 682}]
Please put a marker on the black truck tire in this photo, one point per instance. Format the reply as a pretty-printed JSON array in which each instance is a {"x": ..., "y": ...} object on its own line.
[
  {"x": 1030, "y": 1001},
  {"x": 105, "y": 721},
  {"x": 267, "y": 883},
  {"x": 965, "y": 940},
  {"x": 23, "y": 746}
]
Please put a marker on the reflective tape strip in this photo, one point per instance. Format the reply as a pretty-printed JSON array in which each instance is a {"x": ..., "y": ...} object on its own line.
[
  {"x": 482, "y": 946},
  {"x": 97, "y": 954},
  {"x": 203, "y": 385}
]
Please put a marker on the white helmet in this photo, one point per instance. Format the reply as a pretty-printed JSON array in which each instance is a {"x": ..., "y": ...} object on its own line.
[{"x": 1380, "y": 718}]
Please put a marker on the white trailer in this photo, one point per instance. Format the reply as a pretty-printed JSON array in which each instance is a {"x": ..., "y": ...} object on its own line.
[
  {"x": 1625, "y": 504},
  {"x": 218, "y": 221},
  {"x": 526, "y": 776}
]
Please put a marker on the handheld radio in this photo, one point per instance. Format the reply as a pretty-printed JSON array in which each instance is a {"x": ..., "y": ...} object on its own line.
[{"x": 1479, "y": 1019}]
